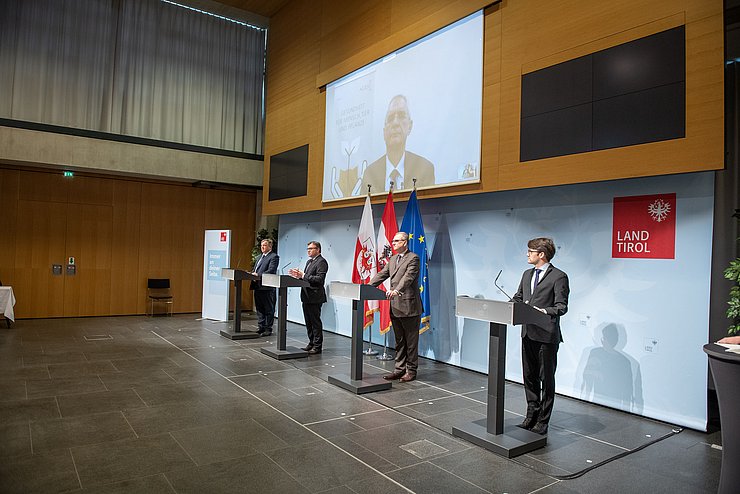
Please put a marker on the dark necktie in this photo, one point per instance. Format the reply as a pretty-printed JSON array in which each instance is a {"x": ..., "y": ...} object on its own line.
[
  {"x": 259, "y": 262},
  {"x": 394, "y": 176},
  {"x": 536, "y": 278},
  {"x": 307, "y": 263}
]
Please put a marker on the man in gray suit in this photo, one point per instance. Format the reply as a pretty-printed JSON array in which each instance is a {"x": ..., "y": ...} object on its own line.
[
  {"x": 313, "y": 296},
  {"x": 545, "y": 288},
  {"x": 405, "y": 304},
  {"x": 264, "y": 296},
  {"x": 397, "y": 164}
]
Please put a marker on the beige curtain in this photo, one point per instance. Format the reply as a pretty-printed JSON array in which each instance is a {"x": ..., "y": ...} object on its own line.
[{"x": 142, "y": 68}]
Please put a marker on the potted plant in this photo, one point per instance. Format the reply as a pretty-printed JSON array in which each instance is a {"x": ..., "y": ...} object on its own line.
[
  {"x": 725, "y": 368},
  {"x": 262, "y": 234},
  {"x": 732, "y": 273}
]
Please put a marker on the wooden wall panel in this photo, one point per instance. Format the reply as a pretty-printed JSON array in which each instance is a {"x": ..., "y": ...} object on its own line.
[
  {"x": 125, "y": 286},
  {"x": 237, "y": 210},
  {"x": 120, "y": 232},
  {"x": 40, "y": 242},
  {"x": 171, "y": 242},
  {"x": 8, "y": 212},
  {"x": 89, "y": 238},
  {"x": 520, "y": 36}
]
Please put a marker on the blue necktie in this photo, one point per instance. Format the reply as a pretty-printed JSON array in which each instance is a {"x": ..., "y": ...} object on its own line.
[{"x": 536, "y": 278}]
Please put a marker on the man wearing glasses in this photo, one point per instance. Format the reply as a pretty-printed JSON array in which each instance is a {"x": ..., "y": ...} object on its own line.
[
  {"x": 406, "y": 306},
  {"x": 545, "y": 288},
  {"x": 313, "y": 296},
  {"x": 398, "y": 165}
]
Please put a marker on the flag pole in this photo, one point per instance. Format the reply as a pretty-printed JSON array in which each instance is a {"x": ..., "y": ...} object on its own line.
[
  {"x": 369, "y": 350},
  {"x": 385, "y": 355}
]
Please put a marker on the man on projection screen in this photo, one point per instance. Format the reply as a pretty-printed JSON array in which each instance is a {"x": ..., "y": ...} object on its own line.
[{"x": 398, "y": 165}]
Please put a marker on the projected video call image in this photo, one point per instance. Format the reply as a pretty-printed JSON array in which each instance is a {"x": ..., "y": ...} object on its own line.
[{"x": 415, "y": 114}]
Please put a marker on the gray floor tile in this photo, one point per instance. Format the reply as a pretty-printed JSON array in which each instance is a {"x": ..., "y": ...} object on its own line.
[
  {"x": 77, "y": 431},
  {"x": 47, "y": 473},
  {"x": 175, "y": 392},
  {"x": 63, "y": 386},
  {"x": 144, "y": 485},
  {"x": 25, "y": 410},
  {"x": 77, "y": 369},
  {"x": 335, "y": 467},
  {"x": 230, "y": 431},
  {"x": 101, "y": 401},
  {"x": 387, "y": 441},
  {"x": 252, "y": 474},
  {"x": 170, "y": 417},
  {"x": 110, "y": 462},
  {"x": 227, "y": 440},
  {"x": 425, "y": 477},
  {"x": 492, "y": 472},
  {"x": 15, "y": 439}
]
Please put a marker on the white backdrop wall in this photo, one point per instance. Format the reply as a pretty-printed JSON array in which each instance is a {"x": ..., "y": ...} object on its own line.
[{"x": 635, "y": 327}]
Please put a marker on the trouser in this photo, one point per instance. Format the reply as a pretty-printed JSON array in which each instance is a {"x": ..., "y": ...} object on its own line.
[
  {"x": 264, "y": 302},
  {"x": 406, "y": 331},
  {"x": 539, "y": 361},
  {"x": 314, "y": 326}
]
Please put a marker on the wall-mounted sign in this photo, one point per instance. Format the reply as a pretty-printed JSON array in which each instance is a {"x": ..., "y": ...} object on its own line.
[{"x": 644, "y": 227}]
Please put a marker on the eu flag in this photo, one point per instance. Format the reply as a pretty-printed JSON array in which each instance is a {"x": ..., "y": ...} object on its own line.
[{"x": 412, "y": 225}]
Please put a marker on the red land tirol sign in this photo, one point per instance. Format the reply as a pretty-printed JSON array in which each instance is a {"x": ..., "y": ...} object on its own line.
[{"x": 644, "y": 227}]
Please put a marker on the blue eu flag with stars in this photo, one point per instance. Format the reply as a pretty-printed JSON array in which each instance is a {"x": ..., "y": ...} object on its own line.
[{"x": 413, "y": 225}]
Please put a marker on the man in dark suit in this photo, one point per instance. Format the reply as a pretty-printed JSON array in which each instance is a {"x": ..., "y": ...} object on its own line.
[
  {"x": 405, "y": 306},
  {"x": 314, "y": 296},
  {"x": 398, "y": 165},
  {"x": 545, "y": 288},
  {"x": 264, "y": 296}
]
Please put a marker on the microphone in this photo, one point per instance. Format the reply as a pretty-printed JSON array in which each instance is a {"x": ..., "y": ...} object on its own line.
[
  {"x": 496, "y": 285},
  {"x": 283, "y": 268}
]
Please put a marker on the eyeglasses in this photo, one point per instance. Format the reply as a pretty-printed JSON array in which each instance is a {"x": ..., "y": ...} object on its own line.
[
  {"x": 530, "y": 251},
  {"x": 395, "y": 241},
  {"x": 311, "y": 248}
]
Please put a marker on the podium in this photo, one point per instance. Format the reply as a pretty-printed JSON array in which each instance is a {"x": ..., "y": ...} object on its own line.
[
  {"x": 354, "y": 381},
  {"x": 491, "y": 433},
  {"x": 282, "y": 282},
  {"x": 238, "y": 276}
]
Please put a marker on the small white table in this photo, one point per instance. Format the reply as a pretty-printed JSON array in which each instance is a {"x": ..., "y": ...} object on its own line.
[{"x": 7, "y": 301}]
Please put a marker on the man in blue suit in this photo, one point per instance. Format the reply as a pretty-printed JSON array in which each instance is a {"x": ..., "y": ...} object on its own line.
[
  {"x": 545, "y": 288},
  {"x": 264, "y": 296}
]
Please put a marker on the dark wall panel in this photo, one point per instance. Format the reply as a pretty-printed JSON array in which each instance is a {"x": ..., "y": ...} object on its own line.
[
  {"x": 289, "y": 173},
  {"x": 645, "y": 63},
  {"x": 629, "y": 94},
  {"x": 557, "y": 87},
  {"x": 556, "y": 133},
  {"x": 646, "y": 116}
]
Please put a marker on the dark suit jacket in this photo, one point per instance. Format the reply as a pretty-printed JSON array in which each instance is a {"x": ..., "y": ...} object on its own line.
[
  {"x": 551, "y": 294},
  {"x": 269, "y": 266},
  {"x": 404, "y": 278},
  {"x": 315, "y": 274},
  {"x": 414, "y": 166}
]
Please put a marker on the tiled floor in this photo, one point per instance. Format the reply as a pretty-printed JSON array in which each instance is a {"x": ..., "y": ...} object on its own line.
[{"x": 135, "y": 404}]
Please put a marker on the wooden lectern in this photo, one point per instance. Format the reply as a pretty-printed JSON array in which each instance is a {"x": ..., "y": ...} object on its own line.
[
  {"x": 491, "y": 433},
  {"x": 238, "y": 276},
  {"x": 282, "y": 282},
  {"x": 358, "y": 293}
]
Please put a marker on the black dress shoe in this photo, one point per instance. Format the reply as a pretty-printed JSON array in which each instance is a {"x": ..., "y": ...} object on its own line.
[
  {"x": 539, "y": 428},
  {"x": 314, "y": 351},
  {"x": 307, "y": 347},
  {"x": 527, "y": 423},
  {"x": 266, "y": 333}
]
